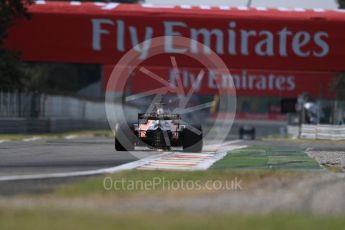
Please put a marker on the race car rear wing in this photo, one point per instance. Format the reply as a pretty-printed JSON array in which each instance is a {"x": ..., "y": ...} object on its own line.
[{"x": 151, "y": 116}]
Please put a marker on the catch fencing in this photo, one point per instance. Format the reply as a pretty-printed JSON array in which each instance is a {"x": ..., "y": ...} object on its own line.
[{"x": 15, "y": 104}]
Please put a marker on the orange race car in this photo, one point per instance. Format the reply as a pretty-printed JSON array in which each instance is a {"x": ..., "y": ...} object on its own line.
[{"x": 159, "y": 130}]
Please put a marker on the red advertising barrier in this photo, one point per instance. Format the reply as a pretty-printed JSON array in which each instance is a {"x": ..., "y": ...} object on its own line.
[
  {"x": 257, "y": 116},
  {"x": 310, "y": 40},
  {"x": 246, "y": 82}
]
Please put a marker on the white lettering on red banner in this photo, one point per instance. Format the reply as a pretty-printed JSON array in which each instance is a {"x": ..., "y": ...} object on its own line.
[{"x": 238, "y": 41}]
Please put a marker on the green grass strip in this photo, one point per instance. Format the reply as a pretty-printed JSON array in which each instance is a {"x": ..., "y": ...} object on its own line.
[{"x": 268, "y": 157}]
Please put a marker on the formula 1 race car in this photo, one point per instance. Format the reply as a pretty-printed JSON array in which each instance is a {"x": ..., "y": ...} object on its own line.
[
  {"x": 247, "y": 131},
  {"x": 160, "y": 131}
]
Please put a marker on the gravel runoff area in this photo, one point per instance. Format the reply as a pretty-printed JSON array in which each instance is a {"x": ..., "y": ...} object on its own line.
[{"x": 333, "y": 159}]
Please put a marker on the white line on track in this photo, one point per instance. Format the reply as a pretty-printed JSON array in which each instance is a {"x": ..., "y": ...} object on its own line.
[
  {"x": 164, "y": 161},
  {"x": 32, "y": 139},
  {"x": 70, "y": 137},
  {"x": 119, "y": 168}
]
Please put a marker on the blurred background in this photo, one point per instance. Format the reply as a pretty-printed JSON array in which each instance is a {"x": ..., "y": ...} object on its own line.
[{"x": 61, "y": 89}]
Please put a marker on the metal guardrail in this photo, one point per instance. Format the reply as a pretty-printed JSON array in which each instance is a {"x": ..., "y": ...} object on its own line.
[
  {"x": 28, "y": 105},
  {"x": 19, "y": 104},
  {"x": 325, "y": 132},
  {"x": 29, "y": 112}
]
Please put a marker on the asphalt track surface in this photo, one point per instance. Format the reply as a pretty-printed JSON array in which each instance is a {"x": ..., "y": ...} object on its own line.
[
  {"x": 54, "y": 156},
  {"x": 58, "y": 156},
  {"x": 80, "y": 154}
]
